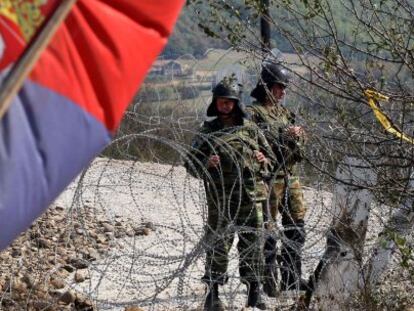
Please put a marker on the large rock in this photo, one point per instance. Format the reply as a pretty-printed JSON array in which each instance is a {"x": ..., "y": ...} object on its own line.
[
  {"x": 57, "y": 283},
  {"x": 68, "y": 297},
  {"x": 40, "y": 263},
  {"x": 81, "y": 275}
]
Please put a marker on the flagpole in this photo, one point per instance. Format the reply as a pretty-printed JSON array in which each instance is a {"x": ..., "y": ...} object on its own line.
[{"x": 21, "y": 69}]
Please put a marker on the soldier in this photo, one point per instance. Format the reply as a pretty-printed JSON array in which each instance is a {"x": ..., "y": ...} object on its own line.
[
  {"x": 229, "y": 153},
  {"x": 287, "y": 141}
]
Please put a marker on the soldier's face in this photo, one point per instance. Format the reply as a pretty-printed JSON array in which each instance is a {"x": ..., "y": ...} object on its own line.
[
  {"x": 278, "y": 91},
  {"x": 225, "y": 106}
]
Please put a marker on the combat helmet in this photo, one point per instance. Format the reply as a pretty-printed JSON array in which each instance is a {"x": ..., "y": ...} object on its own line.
[
  {"x": 273, "y": 72},
  {"x": 227, "y": 88}
]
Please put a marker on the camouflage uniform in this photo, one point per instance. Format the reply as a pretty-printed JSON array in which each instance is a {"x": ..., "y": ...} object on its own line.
[
  {"x": 286, "y": 191},
  {"x": 235, "y": 192},
  {"x": 288, "y": 151}
]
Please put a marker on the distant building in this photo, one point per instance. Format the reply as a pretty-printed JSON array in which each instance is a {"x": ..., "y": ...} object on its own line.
[
  {"x": 156, "y": 70},
  {"x": 173, "y": 68},
  {"x": 168, "y": 68}
]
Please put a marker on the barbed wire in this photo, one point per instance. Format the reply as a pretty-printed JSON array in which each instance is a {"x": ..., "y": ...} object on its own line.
[{"x": 146, "y": 216}]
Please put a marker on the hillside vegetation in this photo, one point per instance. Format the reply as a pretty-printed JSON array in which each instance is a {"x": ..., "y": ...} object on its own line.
[{"x": 190, "y": 38}]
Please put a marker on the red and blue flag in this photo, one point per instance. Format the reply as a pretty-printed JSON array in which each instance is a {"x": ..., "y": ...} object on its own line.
[{"x": 72, "y": 102}]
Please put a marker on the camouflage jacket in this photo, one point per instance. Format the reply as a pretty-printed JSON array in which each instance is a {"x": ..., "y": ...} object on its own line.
[
  {"x": 288, "y": 150},
  {"x": 238, "y": 167}
]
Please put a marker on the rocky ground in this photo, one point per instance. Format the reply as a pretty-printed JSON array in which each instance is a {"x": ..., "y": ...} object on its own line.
[
  {"x": 125, "y": 236},
  {"x": 40, "y": 269}
]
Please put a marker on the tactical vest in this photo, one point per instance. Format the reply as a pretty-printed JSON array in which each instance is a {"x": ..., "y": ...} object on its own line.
[
  {"x": 236, "y": 147},
  {"x": 273, "y": 124}
]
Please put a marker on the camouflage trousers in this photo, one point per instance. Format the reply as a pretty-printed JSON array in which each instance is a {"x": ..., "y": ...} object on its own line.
[
  {"x": 245, "y": 219},
  {"x": 288, "y": 201}
]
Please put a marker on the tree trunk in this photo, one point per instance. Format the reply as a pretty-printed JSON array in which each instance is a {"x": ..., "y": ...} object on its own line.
[
  {"x": 399, "y": 225},
  {"x": 337, "y": 274}
]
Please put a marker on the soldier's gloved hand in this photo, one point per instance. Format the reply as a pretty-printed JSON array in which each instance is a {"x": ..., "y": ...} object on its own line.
[
  {"x": 260, "y": 157},
  {"x": 213, "y": 161},
  {"x": 295, "y": 131}
]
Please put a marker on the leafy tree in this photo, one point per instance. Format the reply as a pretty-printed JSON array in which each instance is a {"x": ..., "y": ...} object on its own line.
[
  {"x": 188, "y": 38},
  {"x": 191, "y": 36}
]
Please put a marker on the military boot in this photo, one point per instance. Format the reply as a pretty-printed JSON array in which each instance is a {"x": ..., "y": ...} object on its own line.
[
  {"x": 290, "y": 274},
  {"x": 213, "y": 302},
  {"x": 270, "y": 282},
  {"x": 291, "y": 259},
  {"x": 269, "y": 279},
  {"x": 254, "y": 298}
]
